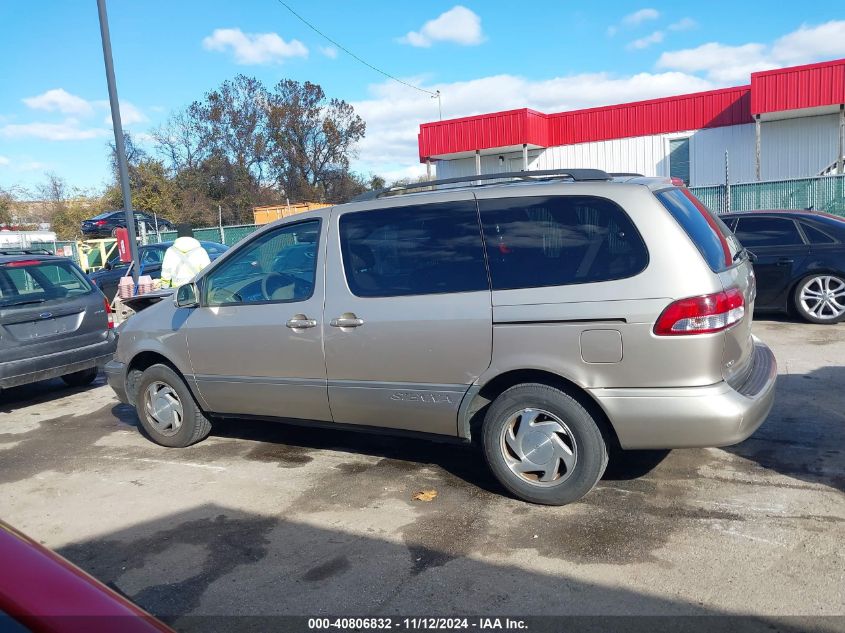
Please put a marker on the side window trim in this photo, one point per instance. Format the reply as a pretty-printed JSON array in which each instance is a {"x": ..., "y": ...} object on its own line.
[{"x": 202, "y": 282}]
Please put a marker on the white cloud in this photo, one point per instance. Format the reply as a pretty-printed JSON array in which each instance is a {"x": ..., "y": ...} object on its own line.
[
  {"x": 329, "y": 51},
  {"x": 458, "y": 25},
  {"x": 254, "y": 48},
  {"x": 724, "y": 63},
  {"x": 684, "y": 24},
  {"x": 811, "y": 43},
  {"x": 59, "y": 99},
  {"x": 67, "y": 130},
  {"x": 129, "y": 114},
  {"x": 645, "y": 42},
  {"x": 4, "y": 160},
  {"x": 394, "y": 113},
  {"x": 638, "y": 17},
  {"x": 33, "y": 165}
]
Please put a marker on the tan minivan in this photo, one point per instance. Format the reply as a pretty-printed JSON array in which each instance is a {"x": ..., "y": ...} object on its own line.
[{"x": 545, "y": 315}]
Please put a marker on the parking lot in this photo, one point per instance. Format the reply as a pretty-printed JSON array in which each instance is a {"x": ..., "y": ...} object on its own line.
[{"x": 271, "y": 519}]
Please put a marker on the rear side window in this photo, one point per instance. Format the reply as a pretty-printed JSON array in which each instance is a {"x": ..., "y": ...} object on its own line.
[
  {"x": 816, "y": 236},
  {"x": 34, "y": 281},
  {"x": 756, "y": 232},
  {"x": 556, "y": 241},
  {"x": 413, "y": 250},
  {"x": 710, "y": 235}
]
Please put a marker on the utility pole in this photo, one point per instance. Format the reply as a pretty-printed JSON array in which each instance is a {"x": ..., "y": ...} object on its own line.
[{"x": 118, "y": 137}]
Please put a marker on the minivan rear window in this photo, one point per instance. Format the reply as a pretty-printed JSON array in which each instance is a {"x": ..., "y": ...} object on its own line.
[
  {"x": 710, "y": 235},
  {"x": 36, "y": 281},
  {"x": 534, "y": 242}
]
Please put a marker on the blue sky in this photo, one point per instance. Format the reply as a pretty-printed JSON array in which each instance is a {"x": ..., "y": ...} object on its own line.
[{"x": 483, "y": 56}]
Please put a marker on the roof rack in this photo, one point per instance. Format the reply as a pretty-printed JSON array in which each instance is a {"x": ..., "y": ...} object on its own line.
[
  {"x": 25, "y": 251},
  {"x": 578, "y": 175},
  {"x": 624, "y": 174}
]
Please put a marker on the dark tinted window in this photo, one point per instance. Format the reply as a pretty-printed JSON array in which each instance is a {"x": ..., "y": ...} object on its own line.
[
  {"x": 536, "y": 242},
  {"x": 816, "y": 236},
  {"x": 414, "y": 250},
  {"x": 756, "y": 232},
  {"x": 704, "y": 229}
]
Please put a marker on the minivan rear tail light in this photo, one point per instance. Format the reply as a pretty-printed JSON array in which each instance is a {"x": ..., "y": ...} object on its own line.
[
  {"x": 702, "y": 315},
  {"x": 21, "y": 263},
  {"x": 109, "y": 314}
]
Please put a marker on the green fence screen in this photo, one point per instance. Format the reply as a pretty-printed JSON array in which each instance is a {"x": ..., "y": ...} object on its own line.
[{"x": 825, "y": 193}]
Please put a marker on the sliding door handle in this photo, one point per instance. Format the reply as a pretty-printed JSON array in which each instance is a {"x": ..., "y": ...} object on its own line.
[
  {"x": 301, "y": 322},
  {"x": 347, "y": 319}
]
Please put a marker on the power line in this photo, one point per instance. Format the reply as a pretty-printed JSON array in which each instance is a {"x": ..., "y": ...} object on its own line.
[{"x": 434, "y": 95}]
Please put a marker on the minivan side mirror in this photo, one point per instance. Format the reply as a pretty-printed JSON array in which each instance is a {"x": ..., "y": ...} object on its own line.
[{"x": 187, "y": 296}]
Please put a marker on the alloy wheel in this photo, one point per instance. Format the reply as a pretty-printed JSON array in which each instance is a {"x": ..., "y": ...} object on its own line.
[{"x": 823, "y": 297}]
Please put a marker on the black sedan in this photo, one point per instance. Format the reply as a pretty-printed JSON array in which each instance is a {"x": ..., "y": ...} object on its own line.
[
  {"x": 105, "y": 224},
  {"x": 150, "y": 257},
  {"x": 799, "y": 261}
]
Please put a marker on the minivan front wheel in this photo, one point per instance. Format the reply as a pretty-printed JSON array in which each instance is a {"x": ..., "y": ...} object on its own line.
[
  {"x": 542, "y": 445},
  {"x": 821, "y": 298},
  {"x": 168, "y": 412}
]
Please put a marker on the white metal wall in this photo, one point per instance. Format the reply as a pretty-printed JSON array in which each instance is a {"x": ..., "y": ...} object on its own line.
[
  {"x": 798, "y": 148},
  {"x": 790, "y": 148}
]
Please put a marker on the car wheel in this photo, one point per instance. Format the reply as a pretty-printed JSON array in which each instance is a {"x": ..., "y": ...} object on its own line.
[
  {"x": 542, "y": 445},
  {"x": 114, "y": 231},
  {"x": 168, "y": 412},
  {"x": 80, "y": 378},
  {"x": 820, "y": 298}
]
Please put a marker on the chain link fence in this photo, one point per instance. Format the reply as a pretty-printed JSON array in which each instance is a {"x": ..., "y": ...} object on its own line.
[
  {"x": 825, "y": 193},
  {"x": 228, "y": 235}
]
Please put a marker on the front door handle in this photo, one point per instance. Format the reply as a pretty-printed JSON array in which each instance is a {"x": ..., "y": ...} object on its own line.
[
  {"x": 301, "y": 322},
  {"x": 347, "y": 319},
  {"x": 785, "y": 261}
]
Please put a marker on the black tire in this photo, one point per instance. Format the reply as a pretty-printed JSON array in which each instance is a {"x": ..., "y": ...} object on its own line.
[
  {"x": 803, "y": 312},
  {"x": 583, "y": 437},
  {"x": 194, "y": 427},
  {"x": 80, "y": 378},
  {"x": 114, "y": 231}
]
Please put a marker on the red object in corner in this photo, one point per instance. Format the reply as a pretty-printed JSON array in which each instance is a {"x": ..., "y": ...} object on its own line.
[
  {"x": 122, "y": 236},
  {"x": 48, "y": 594}
]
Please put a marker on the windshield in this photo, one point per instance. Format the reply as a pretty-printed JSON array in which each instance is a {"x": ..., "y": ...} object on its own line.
[{"x": 36, "y": 281}]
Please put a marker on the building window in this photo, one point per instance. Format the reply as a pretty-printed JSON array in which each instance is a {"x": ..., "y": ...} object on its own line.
[{"x": 679, "y": 159}]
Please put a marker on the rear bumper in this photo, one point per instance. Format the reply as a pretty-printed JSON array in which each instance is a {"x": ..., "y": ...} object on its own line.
[
  {"x": 116, "y": 376},
  {"x": 29, "y": 370},
  {"x": 715, "y": 415}
]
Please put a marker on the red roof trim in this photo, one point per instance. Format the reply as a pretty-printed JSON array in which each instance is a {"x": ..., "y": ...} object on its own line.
[{"x": 807, "y": 86}]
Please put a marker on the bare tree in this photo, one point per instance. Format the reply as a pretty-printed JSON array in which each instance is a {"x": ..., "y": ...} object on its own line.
[{"x": 313, "y": 138}]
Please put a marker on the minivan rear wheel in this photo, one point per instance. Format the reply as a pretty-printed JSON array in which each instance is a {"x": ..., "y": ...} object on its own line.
[
  {"x": 168, "y": 412},
  {"x": 542, "y": 445},
  {"x": 820, "y": 298}
]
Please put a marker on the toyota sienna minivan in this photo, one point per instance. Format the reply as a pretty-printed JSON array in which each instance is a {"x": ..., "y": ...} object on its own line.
[{"x": 546, "y": 316}]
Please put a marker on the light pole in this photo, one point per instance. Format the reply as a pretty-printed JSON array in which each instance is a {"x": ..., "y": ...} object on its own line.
[{"x": 118, "y": 137}]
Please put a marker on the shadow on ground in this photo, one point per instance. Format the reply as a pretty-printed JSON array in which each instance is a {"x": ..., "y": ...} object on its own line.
[
  {"x": 804, "y": 435},
  {"x": 230, "y": 566}
]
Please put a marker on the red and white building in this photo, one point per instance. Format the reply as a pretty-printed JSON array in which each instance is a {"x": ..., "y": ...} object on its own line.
[{"x": 788, "y": 123}]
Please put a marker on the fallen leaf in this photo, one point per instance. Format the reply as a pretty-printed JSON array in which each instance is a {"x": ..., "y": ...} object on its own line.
[{"x": 425, "y": 495}]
